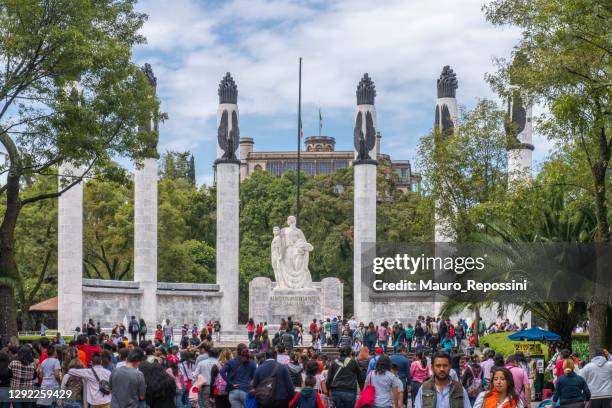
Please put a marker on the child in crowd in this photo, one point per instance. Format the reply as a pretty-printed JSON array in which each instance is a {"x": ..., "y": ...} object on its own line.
[{"x": 308, "y": 397}]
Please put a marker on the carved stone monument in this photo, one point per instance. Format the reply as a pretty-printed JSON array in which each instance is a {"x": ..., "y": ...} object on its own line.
[
  {"x": 294, "y": 293},
  {"x": 290, "y": 253},
  {"x": 269, "y": 303}
]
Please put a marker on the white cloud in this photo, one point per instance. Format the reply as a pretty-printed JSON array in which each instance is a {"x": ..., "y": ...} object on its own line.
[
  {"x": 402, "y": 44},
  {"x": 176, "y": 25}
]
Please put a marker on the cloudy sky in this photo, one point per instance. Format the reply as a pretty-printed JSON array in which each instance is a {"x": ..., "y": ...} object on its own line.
[{"x": 402, "y": 44}]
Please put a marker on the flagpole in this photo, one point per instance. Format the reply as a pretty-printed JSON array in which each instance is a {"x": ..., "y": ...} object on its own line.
[{"x": 299, "y": 148}]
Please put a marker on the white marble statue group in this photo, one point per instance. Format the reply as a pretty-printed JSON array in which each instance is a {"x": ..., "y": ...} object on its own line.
[{"x": 290, "y": 252}]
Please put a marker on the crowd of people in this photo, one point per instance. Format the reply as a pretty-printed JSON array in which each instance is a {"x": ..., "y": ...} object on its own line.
[
  {"x": 162, "y": 335},
  {"x": 145, "y": 373},
  {"x": 427, "y": 333}
]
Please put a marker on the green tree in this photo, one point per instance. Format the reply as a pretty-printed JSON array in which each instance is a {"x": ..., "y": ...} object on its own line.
[
  {"x": 45, "y": 47},
  {"x": 555, "y": 223},
  {"x": 468, "y": 168},
  {"x": 108, "y": 229},
  {"x": 185, "y": 254},
  {"x": 36, "y": 254},
  {"x": 564, "y": 60},
  {"x": 176, "y": 165}
]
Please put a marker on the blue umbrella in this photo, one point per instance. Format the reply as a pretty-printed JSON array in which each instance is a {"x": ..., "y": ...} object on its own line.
[{"x": 534, "y": 334}]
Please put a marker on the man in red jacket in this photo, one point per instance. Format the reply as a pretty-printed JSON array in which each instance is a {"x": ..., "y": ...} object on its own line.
[{"x": 90, "y": 348}]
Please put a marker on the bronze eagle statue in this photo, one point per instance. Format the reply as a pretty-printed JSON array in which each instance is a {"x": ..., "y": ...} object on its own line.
[
  {"x": 445, "y": 122},
  {"x": 228, "y": 139},
  {"x": 364, "y": 143},
  {"x": 517, "y": 117}
]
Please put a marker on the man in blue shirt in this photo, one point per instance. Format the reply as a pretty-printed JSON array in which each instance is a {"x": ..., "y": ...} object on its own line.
[
  {"x": 402, "y": 362},
  {"x": 441, "y": 391},
  {"x": 377, "y": 353},
  {"x": 334, "y": 332}
]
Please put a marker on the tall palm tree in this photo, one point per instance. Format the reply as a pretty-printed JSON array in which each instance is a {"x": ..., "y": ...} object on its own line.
[{"x": 517, "y": 253}]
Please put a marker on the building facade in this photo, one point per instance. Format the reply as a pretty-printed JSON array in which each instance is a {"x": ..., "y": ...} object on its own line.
[{"x": 318, "y": 157}]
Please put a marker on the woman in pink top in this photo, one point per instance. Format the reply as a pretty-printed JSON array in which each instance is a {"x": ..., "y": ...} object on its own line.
[
  {"x": 419, "y": 372},
  {"x": 250, "y": 329},
  {"x": 383, "y": 336},
  {"x": 180, "y": 380}
]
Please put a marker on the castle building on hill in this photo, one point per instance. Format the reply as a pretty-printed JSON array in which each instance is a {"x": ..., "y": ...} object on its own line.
[{"x": 318, "y": 157}]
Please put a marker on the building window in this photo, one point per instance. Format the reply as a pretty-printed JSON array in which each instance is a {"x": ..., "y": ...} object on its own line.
[
  {"x": 324, "y": 167},
  {"x": 339, "y": 164},
  {"x": 308, "y": 167}
]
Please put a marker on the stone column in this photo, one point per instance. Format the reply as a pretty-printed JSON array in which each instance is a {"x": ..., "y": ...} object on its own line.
[
  {"x": 446, "y": 123},
  {"x": 364, "y": 229},
  {"x": 145, "y": 222},
  {"x": 70, "y": 252},
  {"x": 520, "y": 133},
  {"x": 228, "y": 213},
  {"x": 145, "y": 237}
]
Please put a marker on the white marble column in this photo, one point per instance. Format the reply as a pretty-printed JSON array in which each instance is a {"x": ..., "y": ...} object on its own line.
[
  {"x": 145, "y": 237},
  {"x": 364, "y": 207},
  {"x": 70, "y": 253},
  {"x": 446, "y": 121},
  {"x": 228, "y": 241},
  {"x": 364, "y": 230},
  {"x": 228, "y": 212}
]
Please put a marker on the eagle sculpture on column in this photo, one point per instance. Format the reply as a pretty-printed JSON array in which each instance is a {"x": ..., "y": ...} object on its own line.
[
  {"x": 364, "y": 143},
  {"x": 516, "y": 118},
  {"x": 228, "y": 139}
]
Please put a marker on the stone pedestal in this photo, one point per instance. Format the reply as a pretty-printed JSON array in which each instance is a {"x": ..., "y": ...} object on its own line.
[
  {"x": 145, "y": 237},
  {"x": 228, "y": 241},
  {"x": 405, "y": 312},
  {"x": 70, "y": 253},
  {"x": 270, "y": 304},
  {"x": 364, "y": 231}
]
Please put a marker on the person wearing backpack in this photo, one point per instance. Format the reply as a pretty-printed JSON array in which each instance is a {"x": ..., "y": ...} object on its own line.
[
  {"x": 142, "y": 330},
  {"x": 97, "y": 382},
  {"x": 204, "y": 368},
  {"x": 134, "y": 328},
  {"x": 343, "y": 378},
  {"x": 272, "y": 385},
  {"x": 472, "y": 378},
  {"x": 287, "y": 340},
  {"x": 295, "y": 369},
  {"x": 219, "y": 390}
]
